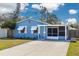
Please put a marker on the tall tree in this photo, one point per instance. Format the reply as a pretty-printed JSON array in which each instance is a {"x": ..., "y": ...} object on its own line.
[
  {"x": 52, "y": 19},
  {"x": 48, "y": 17},
  {"x": 17, "y": 11},
  {"x": 43, "y": 13}
]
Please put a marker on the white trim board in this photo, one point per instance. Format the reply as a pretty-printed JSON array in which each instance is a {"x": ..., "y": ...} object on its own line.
[
  {"x": 53, "y": 25},
  {"x": 33, "y": 20}
]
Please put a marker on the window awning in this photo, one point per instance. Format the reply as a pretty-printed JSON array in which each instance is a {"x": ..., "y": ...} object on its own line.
[
  {"x": 20, "y": 28},
  {"x": 33, "y": 27}
]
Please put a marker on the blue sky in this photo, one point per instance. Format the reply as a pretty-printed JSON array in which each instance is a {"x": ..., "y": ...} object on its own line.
[{"x": 65, "y": 12}]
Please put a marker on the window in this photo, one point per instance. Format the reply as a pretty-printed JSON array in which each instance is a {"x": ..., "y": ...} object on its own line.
[
  {"x": 62, "y": 31},
  {"x": 22, "y": 29},
  {"x": 52, "y": 32},
  {"x": 34, "y": 29}
]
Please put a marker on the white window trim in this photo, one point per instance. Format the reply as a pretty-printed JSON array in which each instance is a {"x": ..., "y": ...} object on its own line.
[
  {"x": 19, "y": 31},
  {"x": 25, "y": 29},
  {"x": 33, "y": 29}
]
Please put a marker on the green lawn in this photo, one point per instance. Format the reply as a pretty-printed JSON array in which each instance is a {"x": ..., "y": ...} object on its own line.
[
  {"x": 73, "y": 49},
  {"x": 7, "y": 43}
]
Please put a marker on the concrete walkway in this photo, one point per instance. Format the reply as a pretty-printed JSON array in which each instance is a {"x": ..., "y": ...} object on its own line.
[{"x": 37, "y": 48}]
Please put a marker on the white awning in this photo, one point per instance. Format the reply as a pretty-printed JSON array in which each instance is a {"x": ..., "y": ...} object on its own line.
[
  {"x": 20, "y": 28},
  {"x": 33, "y": 27}
]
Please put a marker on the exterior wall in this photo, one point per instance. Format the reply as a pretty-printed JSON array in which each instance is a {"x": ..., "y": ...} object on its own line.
[
  {"x": 3, "y": 33},
  {"x": 27, "y": 23},
  {"x": 42, "y": 31},
  {"x": 74, "y": 33}
]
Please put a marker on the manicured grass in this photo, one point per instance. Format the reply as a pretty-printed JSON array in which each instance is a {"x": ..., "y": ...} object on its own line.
[
  {"x": 73, "y": 49},
  {"x": 7, "y": 43}
]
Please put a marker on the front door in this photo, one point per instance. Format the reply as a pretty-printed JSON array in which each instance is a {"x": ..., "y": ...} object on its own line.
[{"x": 52, "y": 33}]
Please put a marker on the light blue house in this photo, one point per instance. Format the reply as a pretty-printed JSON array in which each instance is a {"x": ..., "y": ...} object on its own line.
[{"x": 30, "y": 28}]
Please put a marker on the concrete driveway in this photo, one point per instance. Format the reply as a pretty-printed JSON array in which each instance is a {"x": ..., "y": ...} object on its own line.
[{"x": 37, "y": 48}]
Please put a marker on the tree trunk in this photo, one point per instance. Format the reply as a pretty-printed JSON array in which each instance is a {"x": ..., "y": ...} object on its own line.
[{"x": 10, "y": 33}]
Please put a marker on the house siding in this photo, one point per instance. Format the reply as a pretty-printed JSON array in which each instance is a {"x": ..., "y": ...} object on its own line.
[
  {"x": 42, "y": 31},
  {"x": 27, "y": 23},
  {"x": 43, "y": 35}
]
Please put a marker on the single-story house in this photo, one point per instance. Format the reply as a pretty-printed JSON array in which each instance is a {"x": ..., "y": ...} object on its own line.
[{"x": 34, "y": 29}]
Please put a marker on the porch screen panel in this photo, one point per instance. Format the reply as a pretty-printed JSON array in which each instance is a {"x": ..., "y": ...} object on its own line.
[
  {"x": 52, "y": 32},
  {"x": 62, "y": 31},
  {"x": 55, "y": 32}
]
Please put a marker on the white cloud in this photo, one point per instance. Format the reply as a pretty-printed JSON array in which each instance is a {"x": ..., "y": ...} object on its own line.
[
  {"x": 71, "y": 21},
  {"x": 73, "y": 11},
  {"x": 50, "y": 6},
  {"x": 10, "y": 7},
  {"x": 36, "y": 6},
  {"x": 23, "y": 5},
  {"x": 7, "y": 7},
  {"x": 5, "y": 10}
]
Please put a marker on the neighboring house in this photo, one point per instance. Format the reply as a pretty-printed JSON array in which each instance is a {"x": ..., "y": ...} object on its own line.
[
  {"x": 3, "y": 33},
  {"x": 73, "y": 32},
  {"x": 30, "y": 28}
]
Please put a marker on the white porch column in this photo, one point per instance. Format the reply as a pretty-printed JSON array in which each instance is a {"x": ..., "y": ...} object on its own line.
[
  {"x": 38, "y": 31},
  {"x": 66, "y": 33},
  {"x": 44, "y": 31}
]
